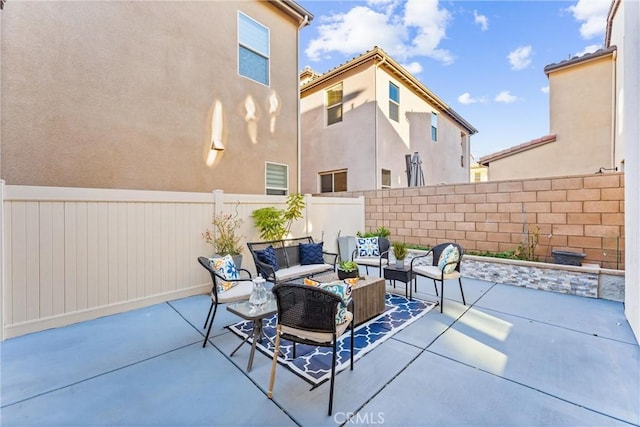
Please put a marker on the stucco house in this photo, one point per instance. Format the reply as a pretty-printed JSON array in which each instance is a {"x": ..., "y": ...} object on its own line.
[
  {"x": 581, "y": 138},
  {"x": 360, "y": 119},
  {"x": 174, "y": 96}
]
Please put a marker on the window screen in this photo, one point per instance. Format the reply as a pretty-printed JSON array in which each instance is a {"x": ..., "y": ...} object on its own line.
[{"x": 253, "y": 49}]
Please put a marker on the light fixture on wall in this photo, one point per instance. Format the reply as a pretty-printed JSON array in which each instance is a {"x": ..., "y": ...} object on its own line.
[
  {"x": 603, "y": 169},
  {"x": 216, "y": 127}
]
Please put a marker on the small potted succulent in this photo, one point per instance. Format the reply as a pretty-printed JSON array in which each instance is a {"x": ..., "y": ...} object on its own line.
[{"x": 347, "y": 269}]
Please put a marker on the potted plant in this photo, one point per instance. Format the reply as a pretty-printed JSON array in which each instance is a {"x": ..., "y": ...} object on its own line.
[
  {"x": 347, "y": 269},
  {"x": 400, "y": 252},
  {"x": 224, "y": 238},
  {"x": 275, "y": 224}
]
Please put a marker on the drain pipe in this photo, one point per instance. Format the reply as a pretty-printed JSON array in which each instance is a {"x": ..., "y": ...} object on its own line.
[
  {"x": 376, "y": 140},
  {"x": 304, "y": 22},
  {"x": 614, "y": 101}
]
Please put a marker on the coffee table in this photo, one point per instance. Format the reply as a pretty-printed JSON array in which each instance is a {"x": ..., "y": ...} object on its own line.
[
  {"x": 256, "y": 315},
  {"x": 367, "y": 294}
]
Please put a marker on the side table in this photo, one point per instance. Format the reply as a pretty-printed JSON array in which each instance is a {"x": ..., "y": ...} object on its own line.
[
  {"x": 256, "y": 315},
  {"x": 404, "y": 275}
]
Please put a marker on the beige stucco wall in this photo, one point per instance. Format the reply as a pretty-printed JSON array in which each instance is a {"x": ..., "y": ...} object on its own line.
[
  {"x": 580, "y": 108},
  {"x": 121, "y": 95},
  {"x": 349, "y": 144},
  {"x": 367, "y": 141}
]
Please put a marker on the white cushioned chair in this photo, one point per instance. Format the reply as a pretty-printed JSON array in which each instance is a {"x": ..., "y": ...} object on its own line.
[{"x": 447, "y": 258}]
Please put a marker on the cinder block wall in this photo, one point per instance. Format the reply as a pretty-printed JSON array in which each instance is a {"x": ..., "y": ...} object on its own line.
[{"x": 578, "y": 213}]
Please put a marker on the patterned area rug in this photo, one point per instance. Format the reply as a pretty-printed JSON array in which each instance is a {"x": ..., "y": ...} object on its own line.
[{"x": 314, "y": 363}]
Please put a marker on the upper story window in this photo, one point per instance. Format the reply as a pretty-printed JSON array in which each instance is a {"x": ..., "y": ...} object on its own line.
[
  {"x": 330, "y": 182},
  {"x": 334, "y": 104},
  {"x": 394, "y": 102},
  {"x": 434, "y": 127},
  {"x": 253, "y": 49},
  {"x": 277, "y": 179}
]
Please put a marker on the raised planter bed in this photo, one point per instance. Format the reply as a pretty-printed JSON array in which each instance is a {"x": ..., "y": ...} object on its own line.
[{"x": 588, "y": 280}]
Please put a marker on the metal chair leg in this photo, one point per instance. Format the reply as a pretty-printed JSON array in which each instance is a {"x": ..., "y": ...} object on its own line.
[
  {"x": 435, "y": 286},
  {"x": 333, "y": 376},
  {"x": 210, "y": 325},
  {"x": 441, "y": 295},
  {"x": 461, "y": 291},
  {"x": 208, "y": 314}
]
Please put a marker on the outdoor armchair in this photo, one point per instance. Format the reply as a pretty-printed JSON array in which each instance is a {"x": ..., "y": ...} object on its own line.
[
  {"x": 445, "y": 265},
  {"x": 227, "y": 287},
  {"x": 307, "y": 315}
]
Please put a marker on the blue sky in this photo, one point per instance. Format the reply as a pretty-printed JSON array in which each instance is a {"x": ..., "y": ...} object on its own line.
[{"x": 485, "y": 59}]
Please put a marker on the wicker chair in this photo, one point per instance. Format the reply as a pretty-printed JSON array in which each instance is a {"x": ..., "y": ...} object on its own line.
[
  {"x": 240, "y": 292},
  {"x": 437, "y": 273},
  {"x": 307, "y": 315}
]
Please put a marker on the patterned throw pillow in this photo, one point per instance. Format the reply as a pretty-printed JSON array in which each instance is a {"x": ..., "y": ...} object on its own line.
[
  {"x": 311, "y": 253},
  {"x": 368, "y": 247},
  {"x": 226, "y": 268},
  {"x": 449, "y": 254},
  {"x": 343, "y": 290},
  {"x": 268, "y": 256}
]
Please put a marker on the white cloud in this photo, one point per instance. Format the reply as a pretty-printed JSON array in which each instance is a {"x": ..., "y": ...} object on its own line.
[
  {"x": 350, "y": 33},
  {"x": 545, "y": 89},
  {"x": 467, "y": 99},
  {"x": 505, "y": 97},
  {"x": 481, "y": 20},
  {"x": 414, "y": 68},
  {"x": 414, "y": 31},
  {"x": 520, "y": 58},
  {"x": 588, "y": 49},
  {"x": 593, "y": 15}
]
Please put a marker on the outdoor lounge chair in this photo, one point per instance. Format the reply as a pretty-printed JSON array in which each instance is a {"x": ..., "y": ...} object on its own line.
[
  {"x": 307, "y": 315},
  {"x": 447, "y": 258},
  {"x": 239, "y": 292}
]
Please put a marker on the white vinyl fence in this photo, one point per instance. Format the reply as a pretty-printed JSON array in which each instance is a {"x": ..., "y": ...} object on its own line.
[{"x": 74, "y": 254}]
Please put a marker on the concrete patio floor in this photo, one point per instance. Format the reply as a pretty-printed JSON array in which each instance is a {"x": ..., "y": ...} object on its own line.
[{"x": 511, "y": 357}]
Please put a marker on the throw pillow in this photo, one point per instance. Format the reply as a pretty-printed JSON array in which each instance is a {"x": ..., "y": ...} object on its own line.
[
  {"x": 268, "y": 256},
  {"x": 449, "y": 254},
  {"x": 343, "y": 290},
  {"x": 310, "y": 282},
  {"x": 226, "y": 268},
  {"x": 368, "y": 247},
  {"x": 311, "y": 253}
]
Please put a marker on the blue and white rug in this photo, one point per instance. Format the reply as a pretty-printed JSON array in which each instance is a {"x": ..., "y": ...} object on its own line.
[{"x": 314, "y": 363}]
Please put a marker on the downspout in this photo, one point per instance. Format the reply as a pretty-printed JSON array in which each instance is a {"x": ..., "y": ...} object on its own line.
[
  {"x": 304, "y": 22},
  {"x": 377, "y": 182},
  {"x": 614, "y": 97}
]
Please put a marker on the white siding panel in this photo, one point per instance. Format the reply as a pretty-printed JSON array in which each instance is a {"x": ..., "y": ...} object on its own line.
[
  {"x": 32, "y": 261},
  {"x": 103, "y": 254},
  {"x": 46, "y": 259},
  {"x": 58, "y": 257},
  {"x": 70, "y": 257},
  {"x": 92, "y": 254},
  {"x": 19, "y": 263},
  {"x": 81, "y": 256}
]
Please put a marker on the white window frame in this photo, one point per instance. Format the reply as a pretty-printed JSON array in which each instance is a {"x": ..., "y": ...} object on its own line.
[
  {"x": 274, "y": 190},
  {"x": 334, "y": 105},
  {"x": 255, "y": 50}
]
